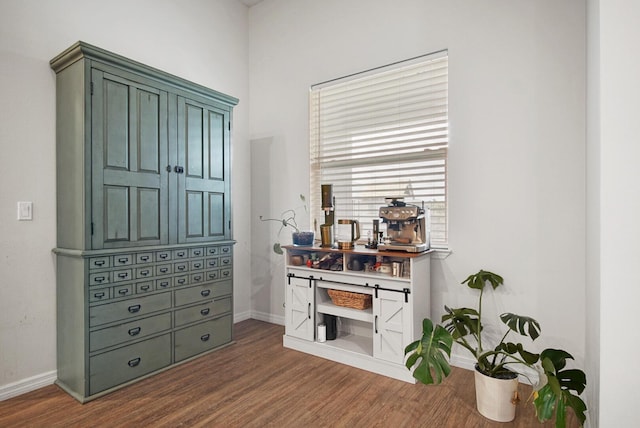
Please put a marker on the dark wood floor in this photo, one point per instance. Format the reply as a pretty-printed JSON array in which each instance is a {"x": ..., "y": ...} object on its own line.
[{"x": 258, "y": 383}]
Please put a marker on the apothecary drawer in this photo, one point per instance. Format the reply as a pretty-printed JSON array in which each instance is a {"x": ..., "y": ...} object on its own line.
[
  {"x": 203, "y": 292},
  {"x": 99, "y": 278},
  {"x": 99, "y": 294},
  {"x": 122, "y": 310},
  {"x": 122, "y": 260},
  {"x": 121, "y": 365},
  {"x": 122, "y": 333},
  {"x": 206, "y": 310},
  {"x": 202, "y": 337},
  {"x": 99, "y": 262}
]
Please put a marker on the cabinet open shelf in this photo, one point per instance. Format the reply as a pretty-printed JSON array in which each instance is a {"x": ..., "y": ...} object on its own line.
[
  {"x": 329, "y": 308},
  {"x": 351, "y": 342}
]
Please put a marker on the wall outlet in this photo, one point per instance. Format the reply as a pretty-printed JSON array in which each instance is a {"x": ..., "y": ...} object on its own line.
[{"x": 25, "y": 210}]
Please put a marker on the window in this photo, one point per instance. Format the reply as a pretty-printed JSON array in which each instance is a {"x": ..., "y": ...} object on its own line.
[{"x": 383, "y": 133}]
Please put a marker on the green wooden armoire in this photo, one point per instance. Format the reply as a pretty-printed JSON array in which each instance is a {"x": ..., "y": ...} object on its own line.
[{"x": 144, "y": 251}]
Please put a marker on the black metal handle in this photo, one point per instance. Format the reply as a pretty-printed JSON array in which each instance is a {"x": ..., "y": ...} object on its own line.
[
  {"x": 225, "y": 273},
  {"x": 123, "y": 260},
  {"x": 226, "y": 261},
  {"x": 123, "y": 275},
  {"x": 134, "y": 362},
  {"x": 144, "y": 288},
  {"x": 204, "y": 312},
  {"x": 134, "y": 308},
  {"x": 205, "y": 293},
  {"x": 197, "y": 278},
  {"x": 99, "y": 279},
  {"x": 205, "y": 337},
  {"x": 163, "y": 256},
  {"x": 181, "y": 267},
  {"x": 145, "y": 272},
  {"x": 123, "y": 291},
  {"x": 99, "y": 295},
  {"x": 213, "y": 275},
  {"x": 375, "y": 324},
  {"x": 179, "y": 169},
  {"x": 164, "y": 284},
  {"x": 164, "y": 270},
  {"x": 144, "y": 258},
  {"x": 135, "y": 331},
  {"x": 196, "y": 252},
  {"x": 181, "y": 281},
  {"x": 225, "y": 250},
  {"x": 98, "y": 262}
]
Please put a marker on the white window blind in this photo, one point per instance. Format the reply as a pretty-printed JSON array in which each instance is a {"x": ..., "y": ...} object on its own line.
[{"x": 383, "y": 133}]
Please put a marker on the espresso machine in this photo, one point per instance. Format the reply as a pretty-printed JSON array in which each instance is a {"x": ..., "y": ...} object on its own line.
[{"x": 406, "y": 226}]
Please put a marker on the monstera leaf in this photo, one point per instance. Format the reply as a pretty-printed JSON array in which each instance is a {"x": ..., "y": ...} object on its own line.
[
  {"x": 557, "y": 395},
  {"x": 430, "y": 354},
  {"x": 526, "y": 326}
]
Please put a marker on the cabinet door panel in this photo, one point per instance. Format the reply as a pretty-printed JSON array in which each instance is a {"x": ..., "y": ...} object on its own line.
[
  {"x": 392, "y": 324},
  {"x": 129, "y": 158},
  {"x": 299, "y": 304},
  {"x": 203, "y": 151}
]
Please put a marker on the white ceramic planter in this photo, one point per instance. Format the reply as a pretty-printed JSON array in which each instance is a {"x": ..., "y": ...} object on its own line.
[{"x": 496, "y": 399}]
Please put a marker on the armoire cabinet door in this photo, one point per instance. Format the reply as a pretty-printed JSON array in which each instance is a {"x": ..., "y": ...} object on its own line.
[
  {"x": 129, "y": 163},
  {"x": 204, "y": 178}
]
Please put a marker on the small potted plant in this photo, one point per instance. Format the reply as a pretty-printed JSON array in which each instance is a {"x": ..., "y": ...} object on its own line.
[
  {"x": 556, "y": 390},
  {"x": 288, "y": 219}
]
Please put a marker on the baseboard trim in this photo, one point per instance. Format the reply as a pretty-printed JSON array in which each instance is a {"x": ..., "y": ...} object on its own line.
[
  {"x": 27, "y": 385},
  {"x": 267, "y": 317}
]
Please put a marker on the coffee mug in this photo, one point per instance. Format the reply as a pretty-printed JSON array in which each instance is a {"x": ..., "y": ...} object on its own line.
[{"x": 354, "y": 264}]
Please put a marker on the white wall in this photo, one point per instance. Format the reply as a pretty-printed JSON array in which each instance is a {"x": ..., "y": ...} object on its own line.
[
  {"x": 200, "y": 40},
  {"x": 618, "y": 180},
  {"x": 517, "y": 152}
]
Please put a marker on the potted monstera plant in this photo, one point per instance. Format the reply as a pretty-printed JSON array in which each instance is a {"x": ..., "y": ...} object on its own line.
[
  {"x": 303, "y": 238},
  {"x": 499, "y": 364}
]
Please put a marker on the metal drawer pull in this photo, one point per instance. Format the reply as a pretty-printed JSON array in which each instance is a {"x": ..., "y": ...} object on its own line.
[
  {"x": 123, "y": 291},
  {"x": 182, "y": 254},
  {"x": 205, "y": 337},
  {"x": 226, "y": 261},
  {"x": 144, "y": 272},
  {"x": 135, "y": 331},
  {"x": 164, "y": 270},
  {"x": 225, "y": 273},
  {"x": 225, "y": 250},
  {"x": 197, "y": 252},
  {"x": 205, "y": 293},
  {"x": 135, "y": 308},
  {"x": 204, "y": 312},
  {"x": 213, "y": 276},
  {"x": 164, "y": 284},
  {"x": 197, "y": 278},
  {"x": 213, "y": 263},
  {"x": 181, "y": 281},
  {"x": 213, "y": 251},
  {"x": 181, "y": 267},
  {"x": 123, "y": 260},
  {"x": 99, "y": 295},
  {"x": 98, "y": 262},
  {"x": 134, "y": 362},
  {"x": 99, "y": 279},
  {"x": 163, "y": 256},
  {"x": 123, "y": 275},
  {"x": 144, "y": 258},
  {"x": 197, "y": 265},
  {"x": 144, "y": 288}
]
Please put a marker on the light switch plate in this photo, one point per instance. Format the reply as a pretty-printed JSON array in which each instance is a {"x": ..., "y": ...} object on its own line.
[{"x": 25, "y": 210}]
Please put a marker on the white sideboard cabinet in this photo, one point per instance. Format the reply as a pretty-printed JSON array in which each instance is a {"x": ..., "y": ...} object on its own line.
[{"x": 372, "y": 338}]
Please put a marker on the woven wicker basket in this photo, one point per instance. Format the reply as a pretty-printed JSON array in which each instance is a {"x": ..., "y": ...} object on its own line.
[{"x": 348, "y": 299}]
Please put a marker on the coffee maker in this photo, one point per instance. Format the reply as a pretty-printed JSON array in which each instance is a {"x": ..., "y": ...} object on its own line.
[
  {"x": 328, "y": 206},
  {"x": 406, "y": 226}
]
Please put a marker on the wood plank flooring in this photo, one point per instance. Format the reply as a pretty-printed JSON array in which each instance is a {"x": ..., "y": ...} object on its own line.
[{"x": 258, "y": 383}]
